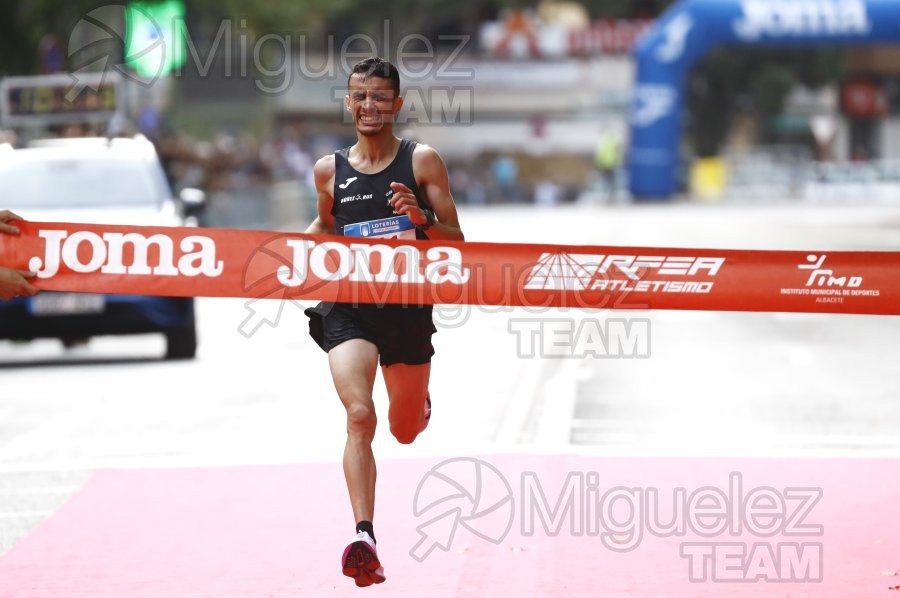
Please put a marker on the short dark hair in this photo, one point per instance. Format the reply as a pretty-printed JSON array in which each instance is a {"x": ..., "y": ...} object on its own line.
[{"x": 377, "y": 67}]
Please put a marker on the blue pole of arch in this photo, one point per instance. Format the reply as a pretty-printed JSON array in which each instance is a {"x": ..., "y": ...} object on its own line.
[{"x": 688, "y": 29}]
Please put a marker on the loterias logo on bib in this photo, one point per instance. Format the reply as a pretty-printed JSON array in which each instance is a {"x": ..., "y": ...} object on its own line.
[{"x": 195, "y": 255}]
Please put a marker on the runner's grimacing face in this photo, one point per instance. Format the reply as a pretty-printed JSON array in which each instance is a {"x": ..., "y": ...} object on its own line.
[{"x": 371, "y": 101}]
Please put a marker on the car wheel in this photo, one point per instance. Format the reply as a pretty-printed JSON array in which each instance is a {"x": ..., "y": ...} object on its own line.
[
  {"x": 74, "y": 342},
  {"x": 181, "y": 343}
]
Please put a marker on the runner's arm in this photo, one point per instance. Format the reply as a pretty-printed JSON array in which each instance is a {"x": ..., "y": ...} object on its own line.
[
  {"x": 433, "y": 180},
  {"x": 324, "y": 177}
]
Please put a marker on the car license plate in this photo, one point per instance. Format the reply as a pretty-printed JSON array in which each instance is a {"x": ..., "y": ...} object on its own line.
[{"x": 56, "y": 304}]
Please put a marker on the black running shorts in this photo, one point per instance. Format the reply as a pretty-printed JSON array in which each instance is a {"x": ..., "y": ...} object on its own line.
[{"x": 402, "y": 333}]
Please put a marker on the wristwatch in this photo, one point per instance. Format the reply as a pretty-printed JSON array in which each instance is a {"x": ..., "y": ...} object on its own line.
[{"x": 429, "y": 217}]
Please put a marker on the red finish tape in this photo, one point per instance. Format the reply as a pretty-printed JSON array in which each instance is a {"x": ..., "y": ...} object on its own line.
[{"x": 256, "y": 264}]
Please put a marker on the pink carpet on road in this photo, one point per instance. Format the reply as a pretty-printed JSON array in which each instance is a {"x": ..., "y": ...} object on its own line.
[{"x": 497, "y": 525}]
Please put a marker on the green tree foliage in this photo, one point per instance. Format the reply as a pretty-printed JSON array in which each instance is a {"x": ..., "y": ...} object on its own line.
[
  {"x": 727, "y": 80},
  {"x": 758, "y": 81},
  {"x": 26, "y": 22}
]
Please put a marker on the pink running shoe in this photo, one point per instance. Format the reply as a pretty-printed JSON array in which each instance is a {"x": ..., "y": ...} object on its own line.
[{"x": 360, "y": 561}]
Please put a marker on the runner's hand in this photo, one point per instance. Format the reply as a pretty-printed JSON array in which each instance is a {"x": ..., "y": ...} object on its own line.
[{"x": 404, "y": 201}]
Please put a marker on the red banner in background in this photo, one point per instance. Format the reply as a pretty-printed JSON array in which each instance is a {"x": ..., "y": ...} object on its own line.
[{"x": 206, "y": 262}]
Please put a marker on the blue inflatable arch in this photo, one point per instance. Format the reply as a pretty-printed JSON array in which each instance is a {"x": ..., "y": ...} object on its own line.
[{"x": 690, "y": 28}]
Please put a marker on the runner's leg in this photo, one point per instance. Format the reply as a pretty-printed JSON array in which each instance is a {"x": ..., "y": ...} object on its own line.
[
  {"x": 407, "y": 387},
  {"x": 353, "y": 366}
]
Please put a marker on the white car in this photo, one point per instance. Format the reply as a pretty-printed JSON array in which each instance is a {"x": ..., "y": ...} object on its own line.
[{"x": 99, "y": 181}]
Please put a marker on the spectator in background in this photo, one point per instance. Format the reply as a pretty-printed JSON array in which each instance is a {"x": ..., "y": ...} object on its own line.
[
  {"x": 608, "y": 158},
  {"x": 13, "y": 283},
  {"x": 505, "y": 172},
  {"x": 298, "y": 162},
  {"x": 519, "y": 25},
  {"x": 460, "y": 180},
  {"x": 8, "y": 136},
  {"x": 547, "y": 193},
  {"x": 476, "y": 193}
]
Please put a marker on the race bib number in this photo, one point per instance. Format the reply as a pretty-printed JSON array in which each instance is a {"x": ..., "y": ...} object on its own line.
[{"x": 396, "y": 227}]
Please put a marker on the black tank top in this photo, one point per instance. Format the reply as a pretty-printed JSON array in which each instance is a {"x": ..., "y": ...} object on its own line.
[{"x": 360, "y": 197}]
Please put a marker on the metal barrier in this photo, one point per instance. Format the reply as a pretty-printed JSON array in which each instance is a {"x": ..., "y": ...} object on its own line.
[
  {"x": 790, "y": 172},
  {"x": 286, "y": 205}
]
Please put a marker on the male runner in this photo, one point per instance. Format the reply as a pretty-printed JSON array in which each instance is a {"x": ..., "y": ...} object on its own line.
[{"x": 380, "y": 176}]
